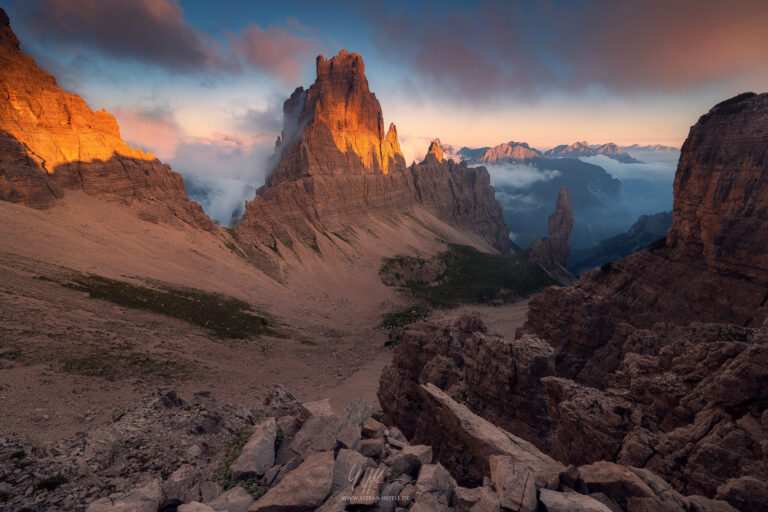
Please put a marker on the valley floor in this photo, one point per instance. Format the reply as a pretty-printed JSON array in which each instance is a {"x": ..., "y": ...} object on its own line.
[{"x": 69, "y": 362}]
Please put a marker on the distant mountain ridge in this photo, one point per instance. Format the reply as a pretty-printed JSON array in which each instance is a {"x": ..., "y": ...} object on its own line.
[
  {"x": 583, "y": 148},
  {"x": 655, "y": 148}
]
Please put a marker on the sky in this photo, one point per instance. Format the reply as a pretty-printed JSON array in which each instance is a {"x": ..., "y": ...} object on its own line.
[{"x": 201, "y": 83}]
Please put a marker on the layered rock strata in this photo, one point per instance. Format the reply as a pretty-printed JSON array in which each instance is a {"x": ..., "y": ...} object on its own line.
[
  {"x": 552, "y": 252},
  {"x": 50, "y": 141},
  {"x": 338, "y": 167}
]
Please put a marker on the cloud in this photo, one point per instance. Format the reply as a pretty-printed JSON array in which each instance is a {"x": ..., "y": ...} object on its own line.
[
  {"x": 518, "y": 176},
  {"x": 274, "y": 50},
  {"x": 222, "y": 172},
  {"x": 146, "y": 30},
  {"x": 268, "y": 120},
  {"x": 496, "y": 48},
  {"x": 152, "y": 128},
  {"x": 155, "y": 32},
  {"x": 661, "y": 169}
]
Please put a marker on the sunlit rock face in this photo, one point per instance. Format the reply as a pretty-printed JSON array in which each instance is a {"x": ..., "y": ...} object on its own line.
[
  {"x": 335, "y": 166},
  {"x": 336, "y": 126},
  {"x": 51, "y": 141}
]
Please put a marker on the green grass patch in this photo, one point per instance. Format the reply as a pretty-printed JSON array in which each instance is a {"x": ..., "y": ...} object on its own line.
[
  {"x": 403, "y": 317},
  {"x": 471, "y": 277},
  {"x": 50, "y": 483},
  {"x": 221, "y": 473},
  {"x": 395, "y": 321},
  {"x": 226, "y": 317}
]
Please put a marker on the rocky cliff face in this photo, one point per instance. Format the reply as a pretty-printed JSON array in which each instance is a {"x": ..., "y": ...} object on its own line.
[
  {"x": 337, "y": 167},
  {"x": 336, "y": 126},
  {"x": 552, "y": 252},
  {"x": 721, "y": 194},
  {"x": 712, "y": 266},
  {"x": 658, "y": 359},
  {"x": 51, "y": 141}
]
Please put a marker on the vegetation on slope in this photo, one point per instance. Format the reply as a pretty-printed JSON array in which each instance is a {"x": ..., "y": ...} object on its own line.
[
  {"x": 226, "y": 317},
  {"x": 464, "y": 275}
]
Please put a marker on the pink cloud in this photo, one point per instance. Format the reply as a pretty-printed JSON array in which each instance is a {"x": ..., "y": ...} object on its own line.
[
  {"x": 153, "y": 130},
  {"x": 274, "y": 50}
]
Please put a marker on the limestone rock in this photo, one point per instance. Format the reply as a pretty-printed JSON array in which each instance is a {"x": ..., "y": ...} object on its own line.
[
  {"x": 318, "y": 408},
  {"x": 181, "y": 482},
  {"x": 144, "y": 499},
  {"x": 465, "y": 442},
  {"x": 745, "y": 493},
  {"x": 195, "y": 506},
  {"x": 409, "y": 460},
  {"x": 570, "y": 502},
  {"x": 236, "y": 499},
  {"x": 552, "y": 252},
  {"x": 616, "y": 481},
  {"x": 51, "y": 141},
  {"x": 434, "y": 488},
  {"x": 435, "y": 151},
  {"x": 258, "y": 454},
  {"x": 514, "y": 483},
  {"x": 304, "y": 488},
  {"x": 349, "y": 468},
  {"x": 498, "y": 379},
  {"x": 335, "y": 167},
  {"x": 704, "y": 504}
]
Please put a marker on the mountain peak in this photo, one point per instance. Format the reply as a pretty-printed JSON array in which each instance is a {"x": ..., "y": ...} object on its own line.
[
  {"x": 336, "y": 126},
  {"x": 7, "y": 37},
  {"x": 435, "y": 151}
]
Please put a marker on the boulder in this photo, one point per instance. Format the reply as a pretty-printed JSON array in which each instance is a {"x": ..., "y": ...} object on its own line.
[
  {"x": 349, "y": 467},
  {"x": 434, "y": 489},
  {"x": 195, "y": 506},
  {"x": 367, "y": 490},
  {"x": 372, "y": 447},
  {"x": 478, "y": 499},
  {"x": 337, "y": 502},
  {"x": 143, "y": 499},
  {"x": 704, "y": 504},
  {"x": 745, "y": 493},
  {"x": 317, "y": 408},
  {"x": 570, "y": 502},
  {"x": 616, "y": 481},
  {"x": 258, "y": 454},
  {"x": 236, "y": 499},
  {"x": 303, "y": 489},
  {"x": 465, "y": 442},
  {"x": 372, "y": 428},
  {"x": 409, "y": 460},
  {"x": 181, "y": 482},
  {"x": 514, "y": 483}
]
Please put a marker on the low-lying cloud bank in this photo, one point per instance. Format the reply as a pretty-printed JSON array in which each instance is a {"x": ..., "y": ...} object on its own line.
[
  {"x": 518, "y": 175},
  {"x": 655, "y": 166}
]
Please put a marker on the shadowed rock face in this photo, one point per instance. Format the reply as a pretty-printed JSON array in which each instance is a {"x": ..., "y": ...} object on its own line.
[
  {"x": 50, "y": 141},
  {"x": 337, "y": 167},
  {"x": 721, "y": 193},
  {"x": 552, "y": 251},
  {"x": 713, "y": 266}
]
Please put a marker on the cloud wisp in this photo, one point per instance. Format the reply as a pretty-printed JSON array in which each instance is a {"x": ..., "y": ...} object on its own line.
[
  {"x": 499, "y": 48},
  {"x": 155, "y": 32}
]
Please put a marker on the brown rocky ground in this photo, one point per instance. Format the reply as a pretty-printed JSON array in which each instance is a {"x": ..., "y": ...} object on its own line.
[{"x": 70, "y": 362}]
